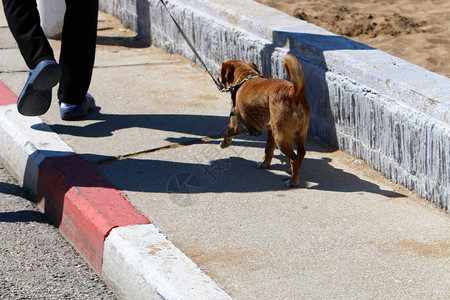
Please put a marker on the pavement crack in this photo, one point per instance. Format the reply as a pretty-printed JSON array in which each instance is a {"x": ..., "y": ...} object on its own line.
[
  {"x": 105, "y": 66},
  {"x": 154, "y": 150},
  {"x": 13, "y": 71},
  {"x": 177, "y": 61}
]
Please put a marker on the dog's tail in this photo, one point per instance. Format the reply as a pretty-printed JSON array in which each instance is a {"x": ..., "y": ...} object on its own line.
[{"x": 295, "y": 72}]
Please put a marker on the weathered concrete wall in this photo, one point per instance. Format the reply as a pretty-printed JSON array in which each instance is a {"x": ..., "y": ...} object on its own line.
[
  {"x": 134, "y": 14},
  {"x": 390, "y": 113}
]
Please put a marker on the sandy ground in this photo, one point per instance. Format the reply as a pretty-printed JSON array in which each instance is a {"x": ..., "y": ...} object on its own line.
[{"x": 415, "y": 30}]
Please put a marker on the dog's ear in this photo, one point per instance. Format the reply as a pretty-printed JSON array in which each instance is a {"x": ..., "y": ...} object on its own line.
[
  {"x": 254, "y": 66},
  {"x": 227, "y": 73}
]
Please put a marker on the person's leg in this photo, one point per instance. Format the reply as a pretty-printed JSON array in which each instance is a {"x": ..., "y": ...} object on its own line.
[
  {"x": 24, "y": 23},
  {"x": 78, "y": 50}
]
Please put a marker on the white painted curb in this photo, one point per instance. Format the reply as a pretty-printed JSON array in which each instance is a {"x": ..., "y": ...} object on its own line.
[
  {"x": 140, "y": 263},
  {"x": 25, "y": 142}
]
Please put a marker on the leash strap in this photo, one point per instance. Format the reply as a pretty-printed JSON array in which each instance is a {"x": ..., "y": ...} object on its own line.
[
  {"x": 247, "y": 128},
  {"x": 218, "y": 84},
  {"x": 234, "y": 88}
]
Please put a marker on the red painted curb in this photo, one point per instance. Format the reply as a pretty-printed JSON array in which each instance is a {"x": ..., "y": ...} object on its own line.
[
  {"x": 6, "y": 96},
  {"x": 83, "y": 205}
]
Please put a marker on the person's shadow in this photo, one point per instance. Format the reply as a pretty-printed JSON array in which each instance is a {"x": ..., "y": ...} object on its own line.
[{"x": 193, "y": 125}]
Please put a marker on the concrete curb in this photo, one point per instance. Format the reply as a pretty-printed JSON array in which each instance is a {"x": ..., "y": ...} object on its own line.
[
  {"x": 392, "y": 114},
  {"x": 94, "y": 216},
  {"x": 148, "y": 266},
  {"x": 84, "y": 206}
]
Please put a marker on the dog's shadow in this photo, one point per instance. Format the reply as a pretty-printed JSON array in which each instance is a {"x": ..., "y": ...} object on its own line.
[
  {"x": 320, "y": 174},
  {"x": 233, "y": 175}
]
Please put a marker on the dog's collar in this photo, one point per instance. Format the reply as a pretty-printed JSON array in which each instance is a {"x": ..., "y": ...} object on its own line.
[{"x": 234, "y": 88}]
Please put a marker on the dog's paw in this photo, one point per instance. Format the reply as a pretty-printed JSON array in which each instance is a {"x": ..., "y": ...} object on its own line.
[
  {"x": 289, "y": 183},
  {"x": 292, "y": 185},
  {"x": 262, "y": 165},
  {"x": 224, "y": 145}
]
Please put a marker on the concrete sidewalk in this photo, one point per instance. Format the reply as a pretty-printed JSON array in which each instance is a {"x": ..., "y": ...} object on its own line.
[{"x": 346, "y": 232}]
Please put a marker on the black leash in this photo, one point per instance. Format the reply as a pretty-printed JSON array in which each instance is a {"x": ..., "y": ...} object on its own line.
[
  {"x": 218, "y": 84},
  {"x": 233, "y": 89}
]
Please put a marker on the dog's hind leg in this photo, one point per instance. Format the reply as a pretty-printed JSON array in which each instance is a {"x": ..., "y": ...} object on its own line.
[
  {"x": 301, "y": 151},
  {"x": 286, "y": 149},
  {"x": 270, "y": 148}
]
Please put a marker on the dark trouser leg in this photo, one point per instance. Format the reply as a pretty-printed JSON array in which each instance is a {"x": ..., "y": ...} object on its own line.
[
  {"x": 24, "y": 23},
  {"x": 77, "y": 50}
]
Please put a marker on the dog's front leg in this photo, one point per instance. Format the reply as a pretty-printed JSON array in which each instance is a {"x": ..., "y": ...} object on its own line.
[{"x": 233, "y": 129}]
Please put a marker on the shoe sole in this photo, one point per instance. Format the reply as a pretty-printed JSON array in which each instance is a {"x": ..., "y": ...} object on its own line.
[
  {"x": 36, "y": 97},
  {"x": 48, "y": 77}
]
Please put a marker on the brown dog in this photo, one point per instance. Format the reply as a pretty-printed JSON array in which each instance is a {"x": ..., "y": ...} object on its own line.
[{"x": 276, "y": 105}]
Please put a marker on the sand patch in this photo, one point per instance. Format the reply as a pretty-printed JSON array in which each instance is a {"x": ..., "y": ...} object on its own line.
[{"x": 417, "y": 31}]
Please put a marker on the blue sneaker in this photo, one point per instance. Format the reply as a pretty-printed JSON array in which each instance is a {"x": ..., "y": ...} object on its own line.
[
  {"x": 75, "y": 111},
  {"x": 36, "y": 96}
]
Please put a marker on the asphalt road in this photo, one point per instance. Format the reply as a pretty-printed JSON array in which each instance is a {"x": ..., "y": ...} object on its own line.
[{"x": 36, "y": 262}]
